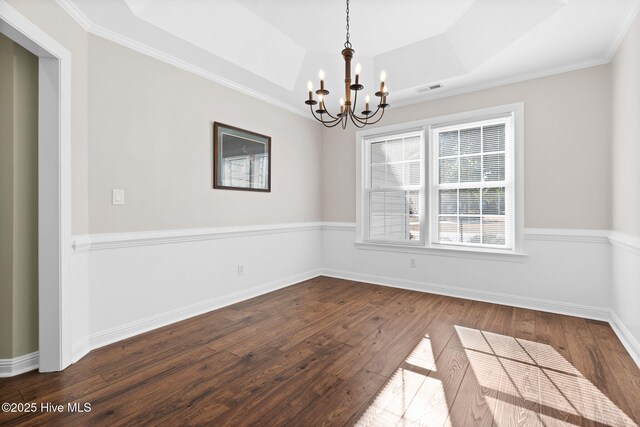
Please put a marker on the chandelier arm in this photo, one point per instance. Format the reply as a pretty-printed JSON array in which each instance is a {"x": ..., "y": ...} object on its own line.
[
  {"x": 329, "y": 122},
  {"x": 320, "y": 119},
  {"x": 333, "y": 124},
  {"x": 370, "y": 116},
  {"x": 356, "y": 122},
  {"x": 355, "y": 102},
  {"x": 361, "y": 120},
  {"x": 378, "y": 119},
  {"x": 331, "y": 115}
]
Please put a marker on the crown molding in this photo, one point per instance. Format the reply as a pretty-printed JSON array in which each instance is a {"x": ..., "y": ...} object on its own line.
[
  {"x": 97, "y": 30},
  {"x": 632, "y": 12},
  {"x": 75, "y": 13},
  {"x": 445, "y": 93}
]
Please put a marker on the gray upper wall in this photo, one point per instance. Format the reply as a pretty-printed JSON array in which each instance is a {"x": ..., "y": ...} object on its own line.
[
  {"x": 151, "y": 134},
  {"x": 625, "y": 119},
  {"x": 145, "y": 126},
  {"x": 567, "y": 148}
]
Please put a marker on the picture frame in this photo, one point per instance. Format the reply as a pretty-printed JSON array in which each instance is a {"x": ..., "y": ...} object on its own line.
[{"x": 241, "y": 159}]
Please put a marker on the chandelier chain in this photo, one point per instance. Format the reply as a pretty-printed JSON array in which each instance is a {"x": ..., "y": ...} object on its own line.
[{"x": 347, "y": 44}]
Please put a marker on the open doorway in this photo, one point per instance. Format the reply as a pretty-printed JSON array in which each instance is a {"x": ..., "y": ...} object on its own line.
[
  {"x": 54, "y": 192},
  {"x": 18, "y": 203}
]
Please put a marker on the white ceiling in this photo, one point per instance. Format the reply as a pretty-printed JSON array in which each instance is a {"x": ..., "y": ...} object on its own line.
[{"x": 271, "y": 48}]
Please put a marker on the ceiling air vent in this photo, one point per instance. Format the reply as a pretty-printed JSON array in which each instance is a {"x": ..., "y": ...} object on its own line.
[{"x": 424, "y": 89}]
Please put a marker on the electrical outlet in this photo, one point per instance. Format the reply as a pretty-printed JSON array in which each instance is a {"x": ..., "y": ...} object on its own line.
[
  {"x": 412, "y": 263},
  {"x": 240, "y": 269}
]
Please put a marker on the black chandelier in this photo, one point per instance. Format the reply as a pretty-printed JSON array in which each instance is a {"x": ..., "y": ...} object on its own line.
[{"x": 347, "y": 109}]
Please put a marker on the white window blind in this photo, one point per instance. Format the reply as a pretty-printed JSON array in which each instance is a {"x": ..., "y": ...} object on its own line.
[
  {"x": 472, "y": 184},
  {"x": 394, "y": 188}
]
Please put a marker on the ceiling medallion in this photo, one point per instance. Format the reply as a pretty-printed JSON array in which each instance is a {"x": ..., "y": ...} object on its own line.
[{"x": 347, "y": 109}]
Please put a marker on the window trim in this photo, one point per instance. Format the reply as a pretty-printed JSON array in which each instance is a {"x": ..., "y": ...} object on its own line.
[
  {"x": 507, "y": 183},
  {"x": 426, "y": 126},
  {"x": 367, "y": 190}
]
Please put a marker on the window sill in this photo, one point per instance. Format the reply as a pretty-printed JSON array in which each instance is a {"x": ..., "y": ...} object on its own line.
[{"x": 456, "y": 252}]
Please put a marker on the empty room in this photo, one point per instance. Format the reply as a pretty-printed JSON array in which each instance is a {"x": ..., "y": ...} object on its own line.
[{"x": 320, "y": 213}]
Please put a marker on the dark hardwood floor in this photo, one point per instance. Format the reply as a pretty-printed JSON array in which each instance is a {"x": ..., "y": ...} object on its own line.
[{"x": 335, "y": 352}]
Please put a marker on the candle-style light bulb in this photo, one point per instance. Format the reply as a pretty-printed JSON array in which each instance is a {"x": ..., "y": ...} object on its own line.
[
  {"x": 321, "y": 75},
  {"x": 358, "y": 69},
  {"x": 366, "y": 102},
  {"x": 310, "y": 87},
  {"x": 383, "y": 77},
  {"x": 341, "y": 105},
  {"x": 321, "y": 102}
]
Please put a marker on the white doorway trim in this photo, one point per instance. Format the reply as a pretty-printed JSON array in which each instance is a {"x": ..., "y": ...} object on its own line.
[{"x": 54, "y": 186}]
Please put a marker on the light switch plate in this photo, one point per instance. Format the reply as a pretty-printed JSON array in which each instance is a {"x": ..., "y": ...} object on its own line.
[{"x": 117, "y": 198}]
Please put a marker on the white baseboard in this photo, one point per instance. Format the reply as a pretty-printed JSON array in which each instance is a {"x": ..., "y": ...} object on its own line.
[
  {"x": 577, "y": 310},
  {"x": 19, "y": 365},
  {"x": 80, "y": 349},
  {"x": 625, "y": 336},
  {"x": 119, "y": 333}
]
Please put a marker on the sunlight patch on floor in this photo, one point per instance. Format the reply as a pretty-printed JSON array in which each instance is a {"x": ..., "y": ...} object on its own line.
[
  {"x": 429, "y": 407},
  {"x": 514, "y": 381},
  {"x": 394, "y": 399},
  {"x": 533, "y": 382},
  {"x": 422, "y": 355},
  {"x": 396, "y": 404}
]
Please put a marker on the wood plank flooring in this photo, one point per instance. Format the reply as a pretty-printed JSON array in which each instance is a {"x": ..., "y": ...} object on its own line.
[{"x": 336, "y": 352}]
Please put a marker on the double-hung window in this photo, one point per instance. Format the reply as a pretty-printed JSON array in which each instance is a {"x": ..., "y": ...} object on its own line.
[
  {"x": 394, "y": 188},
  {"x": 451, "y": 182},
  {"x": 472, "y": 184}
]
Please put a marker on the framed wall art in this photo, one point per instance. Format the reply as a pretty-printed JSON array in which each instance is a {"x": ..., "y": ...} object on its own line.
[{"x": 241, "y": 159}]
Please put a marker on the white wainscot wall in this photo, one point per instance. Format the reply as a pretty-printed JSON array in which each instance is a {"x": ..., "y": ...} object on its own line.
[
  {"x": 625, "y": 315},
  {"x": 129, "y": 283},
  {"x": 141, "y": 281},
  {"x": 80, "y": 305},
  {"x": 564, "y": 271}
]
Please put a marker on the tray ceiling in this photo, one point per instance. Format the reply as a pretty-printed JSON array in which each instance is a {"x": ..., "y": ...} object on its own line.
[{"x": 272, "y": 48}]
